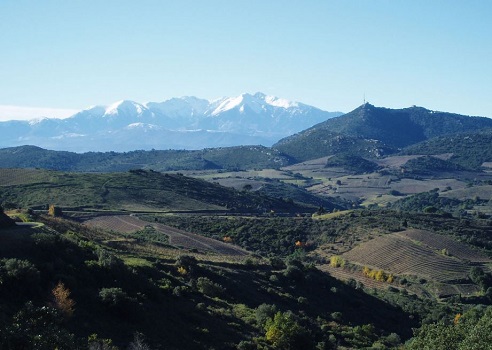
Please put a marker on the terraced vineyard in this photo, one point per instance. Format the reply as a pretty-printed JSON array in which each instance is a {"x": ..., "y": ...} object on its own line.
[
  {"x": 177, "y": 238},
  {"x": 439, "y": 242},
  {"x": 400, "y": 255}
]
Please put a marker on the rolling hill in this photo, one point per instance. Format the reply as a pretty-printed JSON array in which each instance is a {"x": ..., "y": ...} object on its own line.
[
  {"x": 227, "y": 158},
  {"x": 136, "y": 190}
]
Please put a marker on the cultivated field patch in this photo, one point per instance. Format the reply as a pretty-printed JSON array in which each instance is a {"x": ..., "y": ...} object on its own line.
[
  {"x": 463, "y": 193},
  {"x": 12, "y": 177},
  {"x": 177, "y": 238},
  {"x": 439, "y": 243},
  {"x": 400, "y": 255}
]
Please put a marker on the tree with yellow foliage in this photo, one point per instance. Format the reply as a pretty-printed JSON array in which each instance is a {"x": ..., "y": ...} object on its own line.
[
  {"x": 62, "y": 300},
  {"x": 337, "y": 261}
]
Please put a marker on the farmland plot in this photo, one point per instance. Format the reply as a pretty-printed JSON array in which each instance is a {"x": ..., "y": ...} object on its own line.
[
  {"x": 439, "y": 242},
  {"x": 462, "y": 193},
  {"x": 12, "y": 177},
  {"x": 178, "y": 238},
  {"x": 399, "y": 255}
]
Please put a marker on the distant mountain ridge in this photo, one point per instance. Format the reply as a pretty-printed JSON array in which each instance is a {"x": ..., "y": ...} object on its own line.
[
  {"x": 367, "y": 132},
  {"x": 178, "y": 123}
]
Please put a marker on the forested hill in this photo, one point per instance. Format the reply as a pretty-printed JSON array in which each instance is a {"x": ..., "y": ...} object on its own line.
[
  {"x": 469, "y": 150},
  {"x": 375, "y": 131},
  {"x": 228, "y": 158},
  {"x": 401, "y": 127}
]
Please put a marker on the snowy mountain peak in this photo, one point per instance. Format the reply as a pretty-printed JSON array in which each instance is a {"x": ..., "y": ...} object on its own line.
[
  {"x": 180, "y": 107},
  {"x": 181, "y": 123},
  {"x": 126, "y": 107},
  {"x": 257, "y": 103},
  {"x": 280, "y": 102}
]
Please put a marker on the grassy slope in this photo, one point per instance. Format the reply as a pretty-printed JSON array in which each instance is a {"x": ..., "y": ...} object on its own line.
[{"x": 134, "y": 190}]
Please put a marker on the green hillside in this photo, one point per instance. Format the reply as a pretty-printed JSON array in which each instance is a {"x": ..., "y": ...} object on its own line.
[
  {"x": 228, "y": 158},
  {"x": 136, "y": 190},
  {"x": 317, "y": 143},
  {"x": 469, "y": 150}
]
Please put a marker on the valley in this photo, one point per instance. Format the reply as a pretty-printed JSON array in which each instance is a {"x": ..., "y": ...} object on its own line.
[{"x": 350, "y": 240}]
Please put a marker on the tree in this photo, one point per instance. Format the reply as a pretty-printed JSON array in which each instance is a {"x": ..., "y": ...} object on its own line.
[
  {"x": 54, "y": 211},
  {"x": 247, "y": 187},
  {"x": 283, "y": 332},
  {"x": 39, "y": 328},
  {"x": 62, "y": 300},
  {"x": 264, "y": 312},
  {"x": 138, "y": 343}
]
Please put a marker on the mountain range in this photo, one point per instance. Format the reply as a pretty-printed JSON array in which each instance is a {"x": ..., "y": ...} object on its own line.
[
  {"x": 178, "y": 123},
  {"x": 368, "y": 131}
]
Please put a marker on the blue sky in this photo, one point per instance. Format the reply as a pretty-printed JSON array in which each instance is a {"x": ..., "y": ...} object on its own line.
[{"x": 66, "y": 55}]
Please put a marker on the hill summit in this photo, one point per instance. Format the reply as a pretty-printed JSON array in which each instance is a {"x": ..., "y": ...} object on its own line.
[{"x": 375, "y": 131}]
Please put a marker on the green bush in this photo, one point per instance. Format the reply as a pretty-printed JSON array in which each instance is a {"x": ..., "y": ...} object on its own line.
[
  {"x": 39, "y": 328},
  {"x": 19, "y": 277},
  {"x": 263, "y": 312},
  {"x": 207, "y": 287},
  {"x": 117, "y": 301},
  {"x": 284, "y": 332}
]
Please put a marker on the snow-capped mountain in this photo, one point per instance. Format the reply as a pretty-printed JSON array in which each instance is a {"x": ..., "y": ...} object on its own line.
[{"x": 182, "y": 123}]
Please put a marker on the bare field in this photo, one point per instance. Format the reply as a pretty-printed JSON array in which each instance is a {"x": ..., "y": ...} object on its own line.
[
  {"x": 398, "y": 161},
  {"x": 395, "y": 162},
  {"x": 371, "y": 187},
  {"x": 412, "y": 186},
  {"x": 483, "y": 192},
  {"x": 308, "y": 165},
  {"x": 177, "y": 238}
]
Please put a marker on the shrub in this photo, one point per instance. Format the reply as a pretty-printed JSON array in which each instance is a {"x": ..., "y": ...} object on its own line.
[
  {"x": 36, "y": 328},
  {"x": 263, "y": 312},
  {"x": 337, "y": 261},
  {"x": 294, "y": 273},
  {"x": 138, "y": 343},
  {"x": 117, "y": 300},
  {"x": 189, "y": 263},
  {"x": 19, "y": 276},
  {"x": 207, "y": 287},
  {"x": 284, "y": 332},
  {"x": 181, "y": 291}
]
